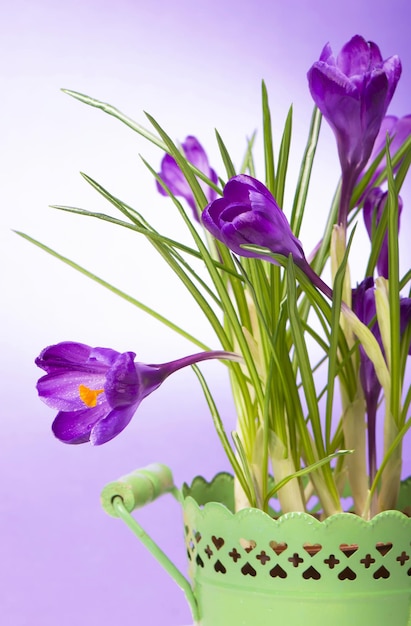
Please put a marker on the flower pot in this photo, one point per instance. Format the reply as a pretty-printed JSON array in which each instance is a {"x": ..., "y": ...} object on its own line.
[{"x": 248, "y": 569}]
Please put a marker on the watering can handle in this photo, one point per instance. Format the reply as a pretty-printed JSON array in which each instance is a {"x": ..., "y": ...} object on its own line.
[
  {"x": 134, "y": 490},
  {"x": 138, "y": 488}
]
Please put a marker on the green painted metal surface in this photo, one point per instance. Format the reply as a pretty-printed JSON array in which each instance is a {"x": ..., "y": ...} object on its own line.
[{"x": 249, "y": 569}]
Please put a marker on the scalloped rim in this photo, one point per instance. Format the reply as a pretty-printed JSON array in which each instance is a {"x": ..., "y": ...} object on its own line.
[
  {"x": 200, "y": 480},
  {"x": 221, "y": 510}
]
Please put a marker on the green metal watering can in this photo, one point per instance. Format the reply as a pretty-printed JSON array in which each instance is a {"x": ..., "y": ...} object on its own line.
[{"x": 249, "y": 569}]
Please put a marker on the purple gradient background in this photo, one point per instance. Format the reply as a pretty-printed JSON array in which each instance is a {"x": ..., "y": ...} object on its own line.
[{"x": 194, "y": 67}]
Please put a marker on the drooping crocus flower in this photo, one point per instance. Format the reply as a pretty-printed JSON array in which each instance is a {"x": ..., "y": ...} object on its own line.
[
  {"x": 374, "y": 205},
  {"x": 248, "y": 214},
  {"x": 353, "y": 91},
  {"x": 172, "y": 175},
  {"x": 96, "y": 391},
  {"x": 398, "y": 129}
]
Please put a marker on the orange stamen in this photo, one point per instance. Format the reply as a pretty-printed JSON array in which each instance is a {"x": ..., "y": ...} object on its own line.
[{"x": 89, "y": 396}]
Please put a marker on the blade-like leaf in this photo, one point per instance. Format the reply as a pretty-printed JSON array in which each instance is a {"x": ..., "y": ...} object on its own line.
[
  {"x": 116, "y": 291},
  {"x": 228, "y": 164},
  {"x": 268, "y": 142},
  {"x": 305, "y": 173},
  {"x": 281, "y": 174}
]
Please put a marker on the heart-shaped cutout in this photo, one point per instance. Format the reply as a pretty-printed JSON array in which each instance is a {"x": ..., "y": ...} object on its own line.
[
  {"x": 383, "y": 548},
  {"x": 248, "y": 570},
  {"x": 381, "y": 572},
  {"x": 247, "y": 544},
  {"x": 278, "y": 572},
  {"x": 219, "y": 567},
  {"x": 278, "y": 547},
  {"x": 348, "y": 549},
  {"x": 311, "y": 572},
  {"x": 217, "y": 541},
  {"x": 347, "y": 574},
  {"x": 312, "y": 548}
]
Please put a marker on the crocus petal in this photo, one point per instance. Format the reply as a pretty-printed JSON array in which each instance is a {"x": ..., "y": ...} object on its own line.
[
  {"x": 174, "y": 179},
  {"x": 387, "y": 126},
  {"x": 398, "y": 129},
  {"x": 69, "y": 354},
  {"x": 363, "y": 303},
  {"x": 405, "y": 317},
  {"x": 75, "y": 426},
  {"x": 60, "y": 390},
  {"x": 195, "y": 153},
  {"x": 354, "y": 57},
  {"x": 374, "y": 107},
  {"x": 113, "y": 424},
  {"x": 374, "y": 206},
  {"x": 122, "y": 384},
  {"x": 70, "y": 365}
]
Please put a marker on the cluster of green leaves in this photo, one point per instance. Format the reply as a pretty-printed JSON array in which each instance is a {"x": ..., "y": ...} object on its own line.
[{"x": 266, "y": 313}]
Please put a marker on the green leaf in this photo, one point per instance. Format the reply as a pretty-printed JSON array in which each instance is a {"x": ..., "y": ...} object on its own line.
[
  {"x": 248, "y": 162},
  {"x": 228, "y": 164},
  {"x": 116, "y": 291},
  {"x": 218, "y": 424},
  {"x": 403, "y": 155},
  {"x": 268, "y": 141},
  {"x": 283, "y": 156},
  {"x": 176, "y": 262},
  {"x": 245, "y": 467},
  {"x": 406, "y": 279},
  {"x": 143, "y": 230},
  {"x": 111, "y": 110},
  {"x": 377, "y": 237},
  {"x": 304, "y": 177},
  {"x": 394, "y": 291},
  {"x": 183, "y": 164},
  {"x": 230, "y": 312},
  {"x": 138, "y": 128},
  {"x": 310, "y": 395},
  {"x": 306, "y": 470},
  {"x": 388, "y": 454},
  {"x": 303, "y": 360},
  {"x": 390, "y": 478},
  {"x": 371, "y": 347}
]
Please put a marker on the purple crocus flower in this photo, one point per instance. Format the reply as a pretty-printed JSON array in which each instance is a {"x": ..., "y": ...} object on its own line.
[
  {"x": 373, "y": 209},
  {"x": 248, "y": 214},
  {"x": 398, "y": 129},
  {"x": 96, "y": 391},
  {"x": 363, "y": 304},
  {"x": 353, "y": 91},
  {"x": 173, "y": 177}
]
